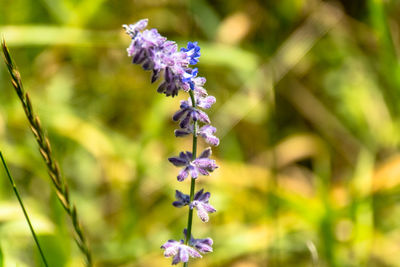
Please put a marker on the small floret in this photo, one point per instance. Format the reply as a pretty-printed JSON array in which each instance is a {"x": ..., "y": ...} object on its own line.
[
  {"x": 179, "y": 251},
  {"x": 201, "y": 165}
]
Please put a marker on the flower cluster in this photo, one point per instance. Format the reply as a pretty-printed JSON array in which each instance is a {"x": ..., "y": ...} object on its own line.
[
  {"x": 154, "y": 52},
  {"x": 173, "y": 67},
  {"x": 181, "y": 252}
]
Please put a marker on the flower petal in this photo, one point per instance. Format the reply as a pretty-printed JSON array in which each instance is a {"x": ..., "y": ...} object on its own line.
[
  {"x": 177, "y": 161},
  {"x": 198, "y": 194},
  {"x": 183, "y": 174},
  {"x": 193, "y": 253},
  {"x": 202, "y": 213},
  {"x": 203, "y": 117},
  {"x": 193, "y": 171},
  {"x": 184, "y": 254},
  {"x": 206, "y": 153}
]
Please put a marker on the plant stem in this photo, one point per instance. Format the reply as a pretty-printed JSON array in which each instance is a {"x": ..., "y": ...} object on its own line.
[
  {"x": 192, "y": 181},
  {"x": 14, "y": 186},
  {"x": 52, "y": 165}
]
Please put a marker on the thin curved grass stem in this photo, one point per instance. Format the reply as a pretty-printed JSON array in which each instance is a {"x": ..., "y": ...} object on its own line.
[{"x": 14, "y": 186}]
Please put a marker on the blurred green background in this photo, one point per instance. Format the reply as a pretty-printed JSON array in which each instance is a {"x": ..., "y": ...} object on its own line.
[{"x": 308, "y": 113}]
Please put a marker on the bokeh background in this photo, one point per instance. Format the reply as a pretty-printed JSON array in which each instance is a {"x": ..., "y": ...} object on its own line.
[{"x": 308, "y": 113}]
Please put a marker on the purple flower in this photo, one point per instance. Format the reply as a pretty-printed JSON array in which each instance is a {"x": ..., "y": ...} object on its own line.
[
  {"x": 187, "y": 78},
  {"x": 200, "y": 202},
  {"x": 144, "y": 48},
  {"x": 207, "y": 132},
  {"x": 155, "y": 53},
  {"x": 133, "y": 29},
  {"x": 202, "y": 165},
  {"x": 184, "y": 159},
  {"x": 152, "y": 39},
  {"x": 205, "y": 102},
  {"x": 198, "y": 86},
  {"x": 203, "y": 245},
  {"x": 171, "y": 84},
  {"x": 193, "y": 51},
  {"x": 189, "y": 74},
  {"x": 151, "y": 50},
  {"x": 181, "y": 199},
  {"x": 188, "y": 113},
  {"x": 179, "y": 251}
]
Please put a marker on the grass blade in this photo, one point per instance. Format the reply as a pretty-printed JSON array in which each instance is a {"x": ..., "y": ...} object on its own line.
[{"x": 14, "y": 186}]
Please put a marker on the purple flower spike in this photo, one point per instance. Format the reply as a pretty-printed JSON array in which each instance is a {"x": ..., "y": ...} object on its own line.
[
  {"x": 154, "y": 52},
  {"x": 193, "y": 51},
  {"x": 202, "y": 206},
  {"x": 207, "y": 132},
  {"x": 179, "y": 251},
  {"x": 203, "y": 245},
  {"x": 172, "y": 66},
  {"x": 181, "y": 199}
]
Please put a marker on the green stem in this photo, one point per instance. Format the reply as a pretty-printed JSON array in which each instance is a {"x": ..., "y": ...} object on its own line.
[
  {"x": 192, "y": 181},
  {"x": 14, "y": 186}
]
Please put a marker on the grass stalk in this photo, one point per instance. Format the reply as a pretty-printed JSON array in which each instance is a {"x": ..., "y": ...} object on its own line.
[
  {"x": 14, "y": 186},
  {"x": 52, "y": 165}
]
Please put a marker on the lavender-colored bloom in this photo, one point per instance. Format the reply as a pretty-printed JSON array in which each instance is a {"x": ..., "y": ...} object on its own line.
[
  {"x": 155, "y": 53},
  {"x": 200, "y": 202},
  {"x": 205, "y": 102},
  {"x": 152, "y": 39},
  {"x": 144, "y": 48},
  {"x": 207, "y": 132},
  {"x": 133, "y": 29},
  {"x": 198, "y": 86},
  {"x": 184, "y": 159},
  {"x": 181, "y": 199},
  {"x": 203, "y": 245},
  {"x": 171, "y": 85},
  {"x": 162, "y": 57},
  {"x": 201, "y": 165},
  {"x": 187, "y": 79},
  {"x": 193, "y": 51},
  {"x": 179, "y": 251},
  {"x": 188, "y": 113}
]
